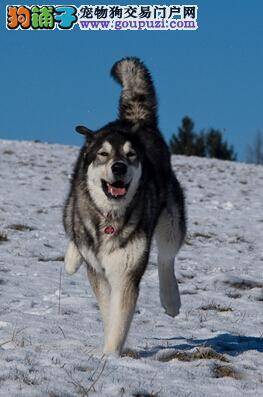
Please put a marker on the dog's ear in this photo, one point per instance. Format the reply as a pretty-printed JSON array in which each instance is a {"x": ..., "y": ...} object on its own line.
[{"x": 85, "y": 131}]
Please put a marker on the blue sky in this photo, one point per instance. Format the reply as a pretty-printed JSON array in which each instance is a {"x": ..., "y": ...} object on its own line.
[{"x": 53, "y": 80}]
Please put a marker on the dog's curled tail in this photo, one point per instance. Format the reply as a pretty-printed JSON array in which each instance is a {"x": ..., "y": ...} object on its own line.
[{"x": 138, "y": 101}]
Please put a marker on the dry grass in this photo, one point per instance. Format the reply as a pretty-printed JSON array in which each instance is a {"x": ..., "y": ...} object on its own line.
[
  {"x": 21, "y": 228},
  {"x": 243, "y": 283},
  {"x": 14, "y": 338},
  {"x": 234, "y": 295},
  {"x": 191, "y": 237},
  {"x": 95, "y": 376},
  {"x": 216, "y": 307},
  {"x": 246, "y": 284},
  {"x": 222, "y": 371},
  {"x": 55, "y": 259},
  {"x": 7, "y": 151},
  {"x": 3, "y": 237},
  {"x": 130, "y": 353},
  {"x": 187, "y": 241},
  {"x": 202, "y": 235},
  {"x": 202, "y": 353},
  {"x": 145, "y": 394}
]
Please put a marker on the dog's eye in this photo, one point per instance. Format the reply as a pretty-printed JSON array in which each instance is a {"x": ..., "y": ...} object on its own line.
[
  {"x": 103, "y": 154},
  {"x": 131, "y": 154}
]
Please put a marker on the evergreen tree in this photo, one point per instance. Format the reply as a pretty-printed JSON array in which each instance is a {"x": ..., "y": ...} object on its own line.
[
  {"x": 255, "y": 151},
  {"x": 217, "y": 148},
  {"x": 204, "y": 144},
  {"x": 184, "y": 141},
  {"x": 200, "y": 145}
]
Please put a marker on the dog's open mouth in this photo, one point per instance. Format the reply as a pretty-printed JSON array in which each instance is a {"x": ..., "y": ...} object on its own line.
[{"x": 116, "y": 190}]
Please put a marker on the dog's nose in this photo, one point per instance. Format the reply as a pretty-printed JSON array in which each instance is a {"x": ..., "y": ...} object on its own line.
[{"x": 119, "y": 169}]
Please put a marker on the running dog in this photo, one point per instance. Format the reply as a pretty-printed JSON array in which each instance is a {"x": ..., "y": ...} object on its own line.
[{"x": 123, "y": 192}]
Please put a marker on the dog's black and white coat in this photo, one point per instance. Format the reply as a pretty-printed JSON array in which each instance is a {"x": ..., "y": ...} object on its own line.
[{"x": 123, "y": 192}]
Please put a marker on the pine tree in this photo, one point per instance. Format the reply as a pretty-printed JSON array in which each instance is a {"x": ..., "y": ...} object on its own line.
[
  {"x": 200, "y": 145},
  {"x": 255, "y": 151},
  {"x": 204, "y": 144},
  {"x": 184, "y": 141},
  {"x": 217, "y": 148}
]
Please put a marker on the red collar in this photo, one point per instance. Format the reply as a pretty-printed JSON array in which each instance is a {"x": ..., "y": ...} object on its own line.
[{"x": 109, "y": 230}]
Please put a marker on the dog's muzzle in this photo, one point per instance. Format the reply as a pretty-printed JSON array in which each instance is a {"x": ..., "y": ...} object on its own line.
[
  {"x": 119, "y": 169},
  {"x": 118, "y": 188},
  {"x": 115, "y": 190}
]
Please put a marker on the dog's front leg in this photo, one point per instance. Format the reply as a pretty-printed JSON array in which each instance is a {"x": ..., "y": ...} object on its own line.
[
  {"x": 124, "y": 294},
  {"x": 73, "y": 259},
  {"x": 101, "y": 289}
]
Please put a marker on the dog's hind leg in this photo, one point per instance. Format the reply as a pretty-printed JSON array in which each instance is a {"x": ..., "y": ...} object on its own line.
[
  {"x": 169, "y": 236},
  {"x": 101, "y": 289},
  {"x": 73, "y": 259}
]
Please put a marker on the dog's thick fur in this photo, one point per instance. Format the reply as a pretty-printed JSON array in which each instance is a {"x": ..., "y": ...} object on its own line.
[{"x": 151, "y": 203}]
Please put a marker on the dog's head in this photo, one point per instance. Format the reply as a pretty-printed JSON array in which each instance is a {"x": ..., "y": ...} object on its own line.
[{"x": 113, "y": 167}]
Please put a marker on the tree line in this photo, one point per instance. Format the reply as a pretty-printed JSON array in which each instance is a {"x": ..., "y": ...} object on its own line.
[{"x": 210, "y": 144}]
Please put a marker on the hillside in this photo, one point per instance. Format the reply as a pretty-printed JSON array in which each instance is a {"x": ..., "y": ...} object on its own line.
[{"x": 50, "y": 344}]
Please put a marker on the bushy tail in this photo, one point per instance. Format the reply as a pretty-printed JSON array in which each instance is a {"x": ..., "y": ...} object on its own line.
[{"x": 138, "y": 101}]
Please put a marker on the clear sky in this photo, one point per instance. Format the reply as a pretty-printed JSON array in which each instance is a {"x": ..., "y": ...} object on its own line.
[{"x": 51, "y": 81}]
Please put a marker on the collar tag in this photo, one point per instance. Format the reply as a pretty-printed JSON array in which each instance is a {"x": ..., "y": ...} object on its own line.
[{"x": 109, "y": 230}]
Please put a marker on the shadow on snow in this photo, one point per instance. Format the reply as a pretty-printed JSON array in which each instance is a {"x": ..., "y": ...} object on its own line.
[{"x": 223, "y": 343}]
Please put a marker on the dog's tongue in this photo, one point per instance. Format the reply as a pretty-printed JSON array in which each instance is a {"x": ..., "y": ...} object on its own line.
[{"x": 116, "y": 191}]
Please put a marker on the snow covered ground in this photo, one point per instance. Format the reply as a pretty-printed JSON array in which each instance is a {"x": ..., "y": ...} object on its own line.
[{"x": 50, "y": 344}]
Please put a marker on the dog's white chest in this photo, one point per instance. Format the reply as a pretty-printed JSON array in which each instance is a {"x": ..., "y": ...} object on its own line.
[{"x": 115, "y": 259}]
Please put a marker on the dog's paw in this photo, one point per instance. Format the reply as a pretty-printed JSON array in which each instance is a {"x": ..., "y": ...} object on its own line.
[
  {"x": 171, "y": 304},
  {"x": 172, "y": 311},
  {"x": 71, "y": 269}
]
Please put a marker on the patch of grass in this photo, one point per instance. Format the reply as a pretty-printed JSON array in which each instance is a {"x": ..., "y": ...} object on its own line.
[
  {"x": 202, "y": 353},
  {"x": 239, "y": 239},
  {"x": 29, "y": 380},
  {"x": 55, "y": 259},
  {"x": 3, "y": 237},
  {"x": 42, "y": 211},
  {"x": 234, "y": 295},
  {"x": 202, "y": 235},
  {"x": 130, "y": 353},
  {"x": 245, "y": 284},
  {"x": 187, "y": 241},
  {"x": 93, "y": 378},
  {"x": 145, "y": 394},
  {"x": 21, "y": 228},
  {"x": 4, "y": 270},
  {"x": 222, "y": 371},
  {"x": 8, "y": 151},
  {"x": 216, "y": 307},
  {"x": 14, "y": 338}
]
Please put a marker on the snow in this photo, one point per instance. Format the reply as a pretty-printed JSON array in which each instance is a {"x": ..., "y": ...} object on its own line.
[{"x": 50, "y": 342}]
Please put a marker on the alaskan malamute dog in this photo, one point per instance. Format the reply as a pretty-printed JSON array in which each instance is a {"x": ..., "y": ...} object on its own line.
[{"x": 123, "y": 192}]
